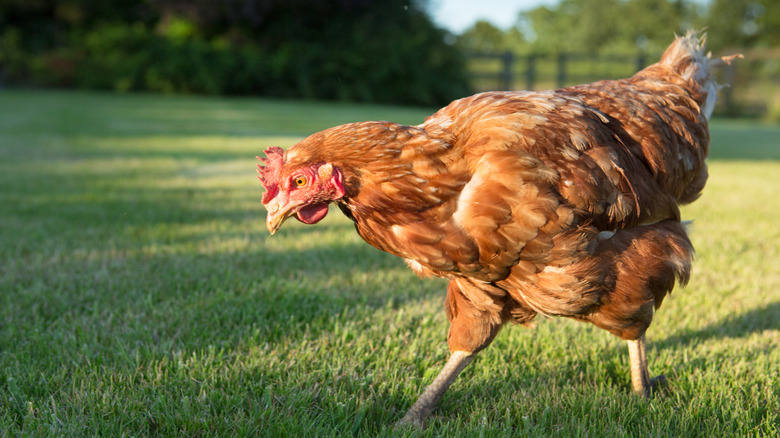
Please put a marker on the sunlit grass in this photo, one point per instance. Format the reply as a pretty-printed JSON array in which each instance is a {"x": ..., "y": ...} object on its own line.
[{"x": 141, "y": 295}]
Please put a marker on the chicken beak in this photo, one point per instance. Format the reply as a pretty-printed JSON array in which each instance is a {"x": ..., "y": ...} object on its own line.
[
  {"x": 277, "y": 214},
  {"x": 274, "y": 222}
]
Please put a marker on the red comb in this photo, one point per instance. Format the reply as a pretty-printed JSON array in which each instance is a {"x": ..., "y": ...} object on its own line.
[{"x": 269, "y": 174}]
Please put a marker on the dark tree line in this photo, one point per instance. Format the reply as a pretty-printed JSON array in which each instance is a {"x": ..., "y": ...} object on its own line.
[{"x": 360, "y": 50}]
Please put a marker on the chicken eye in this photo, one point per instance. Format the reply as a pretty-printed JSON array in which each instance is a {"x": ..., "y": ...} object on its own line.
[{"x": 300, "y": 181}]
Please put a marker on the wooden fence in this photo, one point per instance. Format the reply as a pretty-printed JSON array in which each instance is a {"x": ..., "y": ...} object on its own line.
[{"x": 510, "y": 71}]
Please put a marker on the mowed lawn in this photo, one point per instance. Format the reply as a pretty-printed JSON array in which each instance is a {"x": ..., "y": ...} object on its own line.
[{"x": 140, "y": 294}]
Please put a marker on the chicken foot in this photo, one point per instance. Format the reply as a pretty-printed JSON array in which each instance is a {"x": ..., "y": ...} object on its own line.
[
  {"x": 641, "y": 382},
  {"x": 424, "y": 405}
]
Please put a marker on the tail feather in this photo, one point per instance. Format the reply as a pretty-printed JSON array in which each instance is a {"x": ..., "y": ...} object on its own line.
[{"x": 687, "y": 56}]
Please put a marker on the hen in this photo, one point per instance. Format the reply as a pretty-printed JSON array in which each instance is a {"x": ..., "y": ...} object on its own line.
[{"x": 559, "y": 203}]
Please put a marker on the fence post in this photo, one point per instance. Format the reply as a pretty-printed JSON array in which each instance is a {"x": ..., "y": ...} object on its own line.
[
  {"x": 530, "y": 72},
  {"x": 561, "y": 70},
  {"x": 506, "y": 74},
  {"x": 640, "y": 60},
  {"x": 729, "y": 74}
]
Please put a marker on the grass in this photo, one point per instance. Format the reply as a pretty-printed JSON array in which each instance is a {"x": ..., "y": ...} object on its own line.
[{"x": 140, "y": 294}]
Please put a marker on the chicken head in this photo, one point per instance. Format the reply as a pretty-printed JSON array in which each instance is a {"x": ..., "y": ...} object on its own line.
[{"x": 303, "y": 192}]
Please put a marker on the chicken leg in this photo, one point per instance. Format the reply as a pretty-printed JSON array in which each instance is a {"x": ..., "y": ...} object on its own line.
[
  {"x": 641, "y": 382},
  {"x": 433, "y": 393}
]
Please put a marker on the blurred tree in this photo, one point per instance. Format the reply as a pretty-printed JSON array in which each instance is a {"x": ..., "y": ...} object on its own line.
[
  {"x": 653, "y": 23},
  {"x": 47, "y": 23},
  {"x": 367, "y": 50},
  {"x": 604, "y": 26},
  {"x": 743, "y": 23},
  {"x": 483, "y": 36},
  {"x": 574, "y": 25}
]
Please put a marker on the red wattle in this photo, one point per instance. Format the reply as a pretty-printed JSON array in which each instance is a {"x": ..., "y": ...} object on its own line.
[{"x": 311, "y": 214}]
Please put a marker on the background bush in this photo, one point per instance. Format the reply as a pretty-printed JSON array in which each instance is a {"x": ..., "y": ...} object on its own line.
[{"x": 357, "y": 50}]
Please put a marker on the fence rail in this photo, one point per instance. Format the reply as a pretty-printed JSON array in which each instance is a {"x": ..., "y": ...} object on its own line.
[
  {"x": 505, "y": 69},
  {"x": 510, "y": 71}
]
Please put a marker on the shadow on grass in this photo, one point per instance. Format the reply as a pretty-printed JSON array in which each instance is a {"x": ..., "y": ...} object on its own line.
[
  {"x": 734, "y": 326},
  {"x": 248, "y": 286},
  {"x": 734, "y": 140},
  {"x": 616, "y": 373}
]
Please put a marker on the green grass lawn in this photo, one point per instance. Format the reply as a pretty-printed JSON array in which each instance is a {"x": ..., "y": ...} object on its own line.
[{"x": 140, "y": 294}]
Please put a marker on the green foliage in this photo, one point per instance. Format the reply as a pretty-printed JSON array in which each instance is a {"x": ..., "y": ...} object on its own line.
[
  {"x": 607, "y": 26},
  {"x": 361, "y": 50},
  {"x": 129, "y": 58},
  {"x": 140, "y": 294},
  {"x": 744, "y": 23},
  {"x": 485, "y": 37}
]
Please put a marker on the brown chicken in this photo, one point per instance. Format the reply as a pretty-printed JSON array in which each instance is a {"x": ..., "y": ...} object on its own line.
[{"x": 560, "y": 203}]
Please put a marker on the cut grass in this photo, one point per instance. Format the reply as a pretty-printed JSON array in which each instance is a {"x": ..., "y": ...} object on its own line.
[{"x": 140, "y": 294}]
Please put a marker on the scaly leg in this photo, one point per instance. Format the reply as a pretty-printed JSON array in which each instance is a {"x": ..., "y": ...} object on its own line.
[
  {"x": 434, "y": 392},
  {"x": 471, "y": 330},
  {"x": 640, "y": 378}
]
